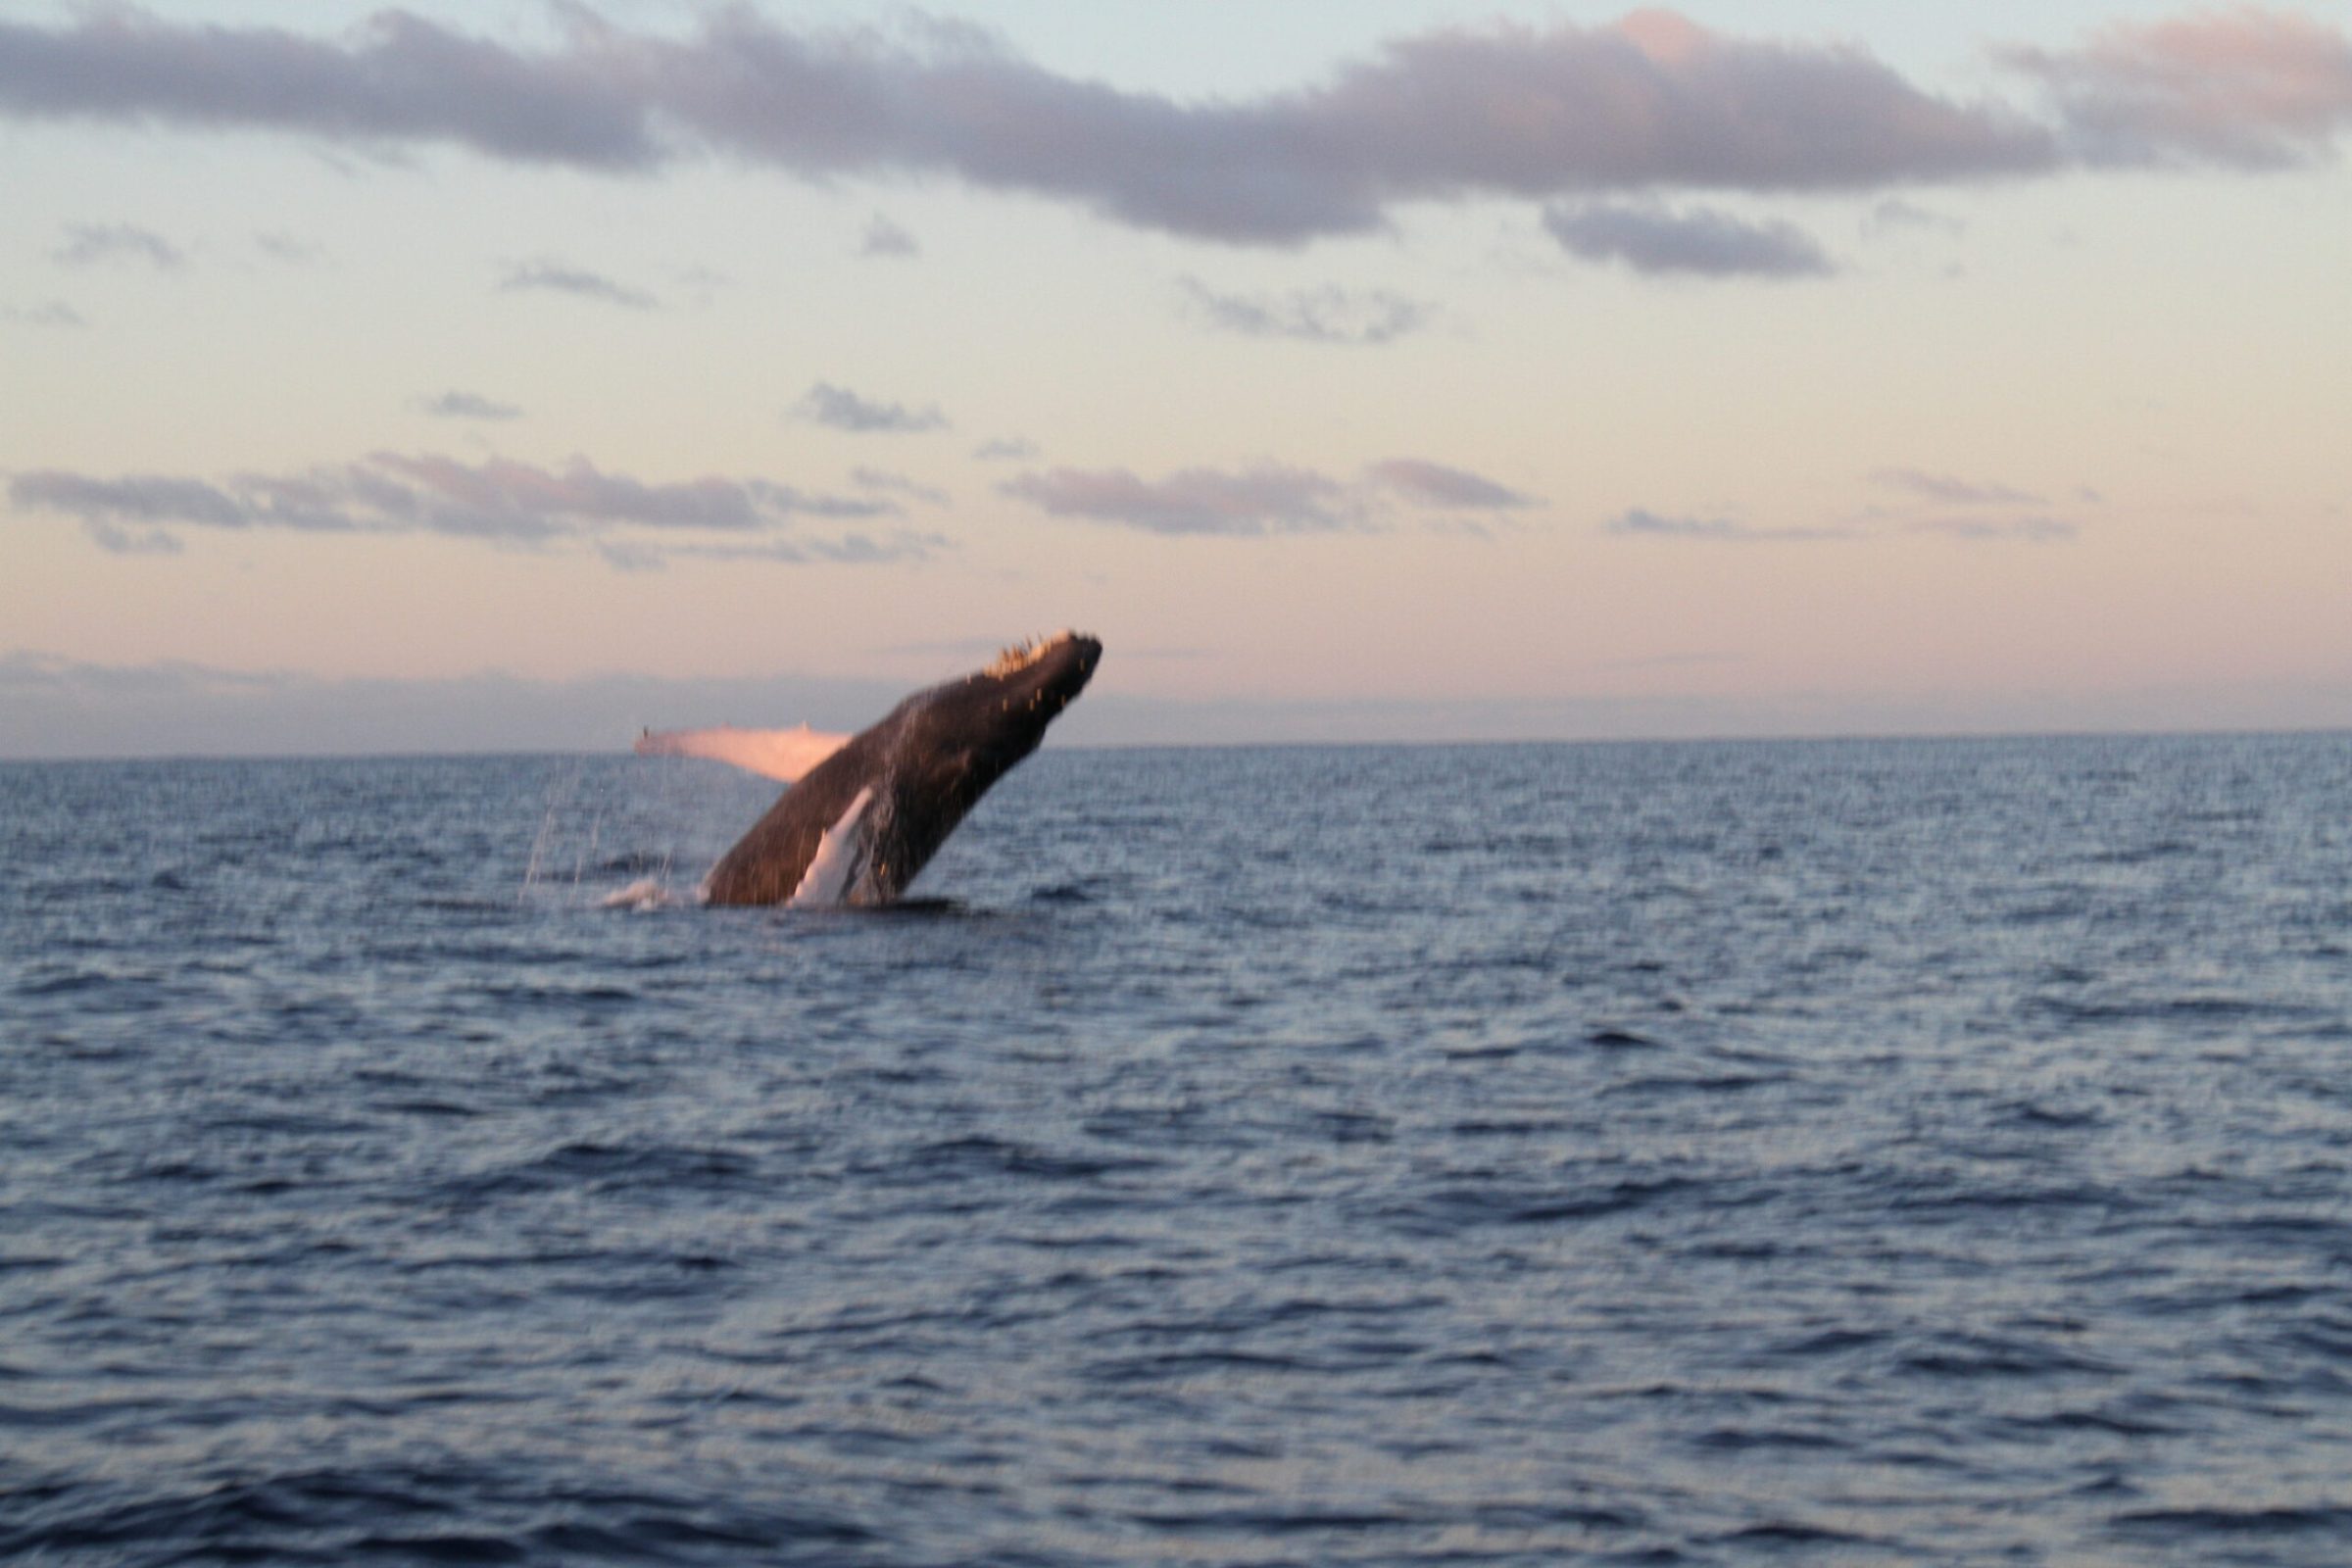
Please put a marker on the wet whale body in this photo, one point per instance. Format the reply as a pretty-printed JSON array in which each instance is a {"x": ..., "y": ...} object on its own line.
[{"x": 859, "y": 826}]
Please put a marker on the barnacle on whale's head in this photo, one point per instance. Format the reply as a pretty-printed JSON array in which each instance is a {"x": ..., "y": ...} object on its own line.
[{"x": 1019, "y": 656}]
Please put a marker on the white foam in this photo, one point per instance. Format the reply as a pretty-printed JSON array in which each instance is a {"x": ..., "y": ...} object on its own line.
[{"x": 646, "y": 893}]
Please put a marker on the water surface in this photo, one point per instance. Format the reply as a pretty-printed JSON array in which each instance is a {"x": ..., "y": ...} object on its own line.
[{"x": 1855, "y": 1153}]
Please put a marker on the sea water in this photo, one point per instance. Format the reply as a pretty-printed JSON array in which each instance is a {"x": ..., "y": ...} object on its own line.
[{"x": 1843, "y": 1153}]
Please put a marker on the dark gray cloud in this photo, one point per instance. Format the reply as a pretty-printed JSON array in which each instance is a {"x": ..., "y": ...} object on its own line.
[
  {"x": 1326, "y": 315},
  {"x": 1952, "y": 491},
  {"x": 2244, "y": 86},
  {"x": 87, "y": 244},
  {"x": 844, "y": 410},
  {"x": 397, "y": 79},
  {"x": 1700, "y": 240},
  {"x": 1271, "y": 498},
  {"x": 560, "y": 279},
  {"x": 497, "y": 501},
  {"x": 884, "y": 238},
  {"x": 1652, "y": 102},
  {"x": 1433, "y": 484},
  {"x": 1641, "y": 521},
  {"x": 49, "y": 313},
  {"x": 1005, "y": 449},
  {"x": 468, "y": 405}
]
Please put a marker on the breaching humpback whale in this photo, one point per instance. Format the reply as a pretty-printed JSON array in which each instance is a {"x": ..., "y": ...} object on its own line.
[{"x": 867, "y": 817}]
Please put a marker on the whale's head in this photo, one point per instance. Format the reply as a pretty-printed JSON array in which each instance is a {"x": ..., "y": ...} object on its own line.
[
  {"x": 995, "y": 716},
  {"x": 943, "y": 748}
]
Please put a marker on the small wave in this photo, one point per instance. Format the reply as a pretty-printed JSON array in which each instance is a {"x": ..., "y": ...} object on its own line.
[{"x": 2191, "y": 1522}]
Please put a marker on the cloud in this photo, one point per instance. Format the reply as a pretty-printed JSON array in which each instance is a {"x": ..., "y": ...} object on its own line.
[
  {"x": 1893, "y": 215},
  {"x": 1271, "y": 498},
  {"x": 497, "y": 501},
  {"x": 1326, "y": 315},
  {"x": 1433, "y": 484},
  {"x": 557, "y": 278},
  {"x": 1945, "y": 488},
  {"x": 1991, "y": 512},
  {"x": 884, "y": 238},
  {"x": 2246, "y": 86},
  {"x": 1675, "y": 660},
  {"x": 844, "y": 410},
  {"x": 2030, "y": 530},
  {"x": 1266, "y": 500},
  {"x": 896, "y": 484},
  {"x": 1641, "y": 521},
  {"x": 1005, "y": 449},
  {"x": 1650, "y": 103},
  {"x": 467, "y": 405},
  {"x": 1700, "y": 240},
  {"x": 50, "y": 313},
  {"x": 289, "y": 248},
  {"x": 397, "y": 79},
  {"x": 89, "y": 244}
]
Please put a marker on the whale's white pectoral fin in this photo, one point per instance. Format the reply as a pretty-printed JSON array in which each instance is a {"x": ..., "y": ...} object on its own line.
[
  {"x": 839, "y": 859},
  {"x": 779, "y": 753}
]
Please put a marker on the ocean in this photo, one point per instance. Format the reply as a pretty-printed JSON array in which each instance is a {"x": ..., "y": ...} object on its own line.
[{"x": 1855, "y": 1153}]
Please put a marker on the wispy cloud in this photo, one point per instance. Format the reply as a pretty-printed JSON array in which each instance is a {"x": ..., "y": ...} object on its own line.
[
  {"x": 1433, "y": 484},
  {"x": 1675, "y": 660},
  {"x": 843, "y": 410},
  {"x": 2245, "y": 86},
  {"x": 560, "y": 279},
  {"x": 1953, "y": 491},
  {"x": 1650, "y": 103},
  {"x": 1269, "y": 497},
  {"x": 1643, "y": 522},
  {"x": 1891, "y": 214},
  {"x": 498, "y": 501},
  {"x": 467, "y": 405},
  {"x": 1326, "y": 315},
  {"x": 1980, "y": 530},
  {"x": 884, "y": 238},
  {"x": 1699, "y": 241},
  {"x": 50, "y": 313},
  {"x": 883, "y": 482},
  {"x": 1989, "y": 511},
  {"x": 291, "y": 249},
  {"x": 90, "y": 244},
  {"x": 1248, "y": 503},
  {"x": 1005, "y": 449}
]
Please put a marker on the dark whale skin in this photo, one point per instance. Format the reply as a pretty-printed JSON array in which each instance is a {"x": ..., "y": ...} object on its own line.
[{"x": 928, "y": 763}]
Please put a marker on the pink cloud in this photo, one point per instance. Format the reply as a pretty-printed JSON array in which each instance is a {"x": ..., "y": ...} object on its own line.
[{"x": 2244, "y": 86}]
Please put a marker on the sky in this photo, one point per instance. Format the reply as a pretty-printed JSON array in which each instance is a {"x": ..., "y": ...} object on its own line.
[{"x": 516, "y": 375}]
